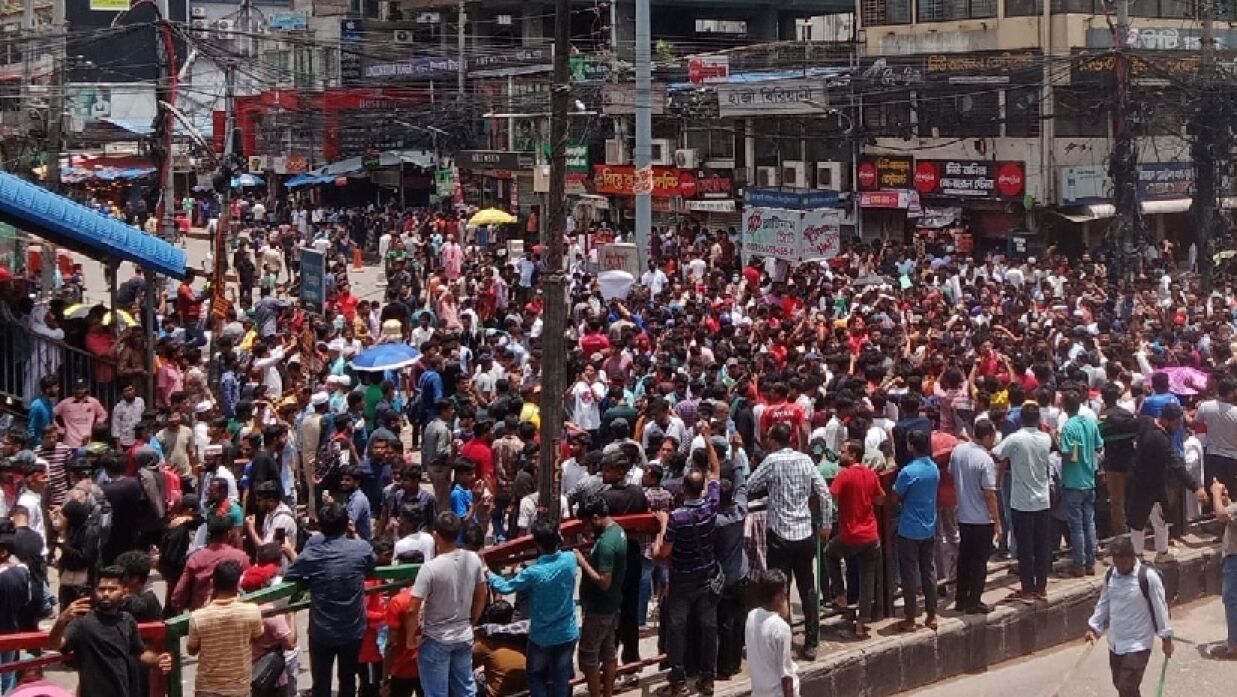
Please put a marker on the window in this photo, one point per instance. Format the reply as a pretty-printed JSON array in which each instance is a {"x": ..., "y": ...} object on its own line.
[
  {"x": 1022, "y": 112},
  {"x": 1024, "y": 8},
  {"x": 885, "y": 12},
  {"x": 1080, "y": 112},
  {"x": 712, "y": 143},
  {"x": 721, "y": 26},
  {"x": 888, "y": 115},
  {"x": 946, "y": 10},
  {"x": 959, "y": 113},
  {"x": 1150, "y": 121}
]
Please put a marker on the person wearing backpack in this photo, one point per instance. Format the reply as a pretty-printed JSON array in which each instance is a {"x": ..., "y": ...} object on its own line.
[{"x": 1133, "y": 610}]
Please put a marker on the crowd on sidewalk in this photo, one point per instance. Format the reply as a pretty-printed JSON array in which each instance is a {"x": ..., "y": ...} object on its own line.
[{"x": 766, "y": 415}]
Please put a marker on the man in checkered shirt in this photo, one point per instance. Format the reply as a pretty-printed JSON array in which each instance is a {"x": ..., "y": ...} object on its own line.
[{"x": 790, "y": 477}]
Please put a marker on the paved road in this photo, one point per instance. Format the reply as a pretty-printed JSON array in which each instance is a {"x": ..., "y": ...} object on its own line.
[{"x": 1190, "y": 674}]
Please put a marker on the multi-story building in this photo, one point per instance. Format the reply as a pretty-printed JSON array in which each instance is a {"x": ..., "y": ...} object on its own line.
[{"x": 1001, "y": 111}]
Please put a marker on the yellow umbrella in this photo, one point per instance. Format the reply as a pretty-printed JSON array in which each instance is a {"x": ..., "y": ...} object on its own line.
[
  {"x": 80, "y": 310},
  {"x": 492, "y": 216}
]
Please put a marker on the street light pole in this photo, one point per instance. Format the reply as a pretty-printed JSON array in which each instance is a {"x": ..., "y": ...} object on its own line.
[{"x": 554, "y": 364}]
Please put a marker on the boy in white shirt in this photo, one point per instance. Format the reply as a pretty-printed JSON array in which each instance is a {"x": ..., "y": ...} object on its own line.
[{"x": 767, "y": 637}]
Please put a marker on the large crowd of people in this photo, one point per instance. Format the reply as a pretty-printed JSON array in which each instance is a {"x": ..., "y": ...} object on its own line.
[{"x": 769, "y": 416}]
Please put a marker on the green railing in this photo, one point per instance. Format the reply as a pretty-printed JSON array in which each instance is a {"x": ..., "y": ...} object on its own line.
[{"x": 396, "y": 577}]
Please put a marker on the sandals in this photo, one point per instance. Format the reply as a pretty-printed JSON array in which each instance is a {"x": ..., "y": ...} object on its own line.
[{"x": 905, "y": 626}]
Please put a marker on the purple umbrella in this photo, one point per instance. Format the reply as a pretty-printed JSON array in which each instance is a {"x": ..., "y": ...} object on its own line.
[{"x": 1183, "y": 380}]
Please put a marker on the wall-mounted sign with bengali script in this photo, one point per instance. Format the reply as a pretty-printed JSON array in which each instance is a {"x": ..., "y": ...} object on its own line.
[
  {"x": 773, "y": 97},
  {"x": 620, "y": 180},
  {"x": 970, "y": 178}
]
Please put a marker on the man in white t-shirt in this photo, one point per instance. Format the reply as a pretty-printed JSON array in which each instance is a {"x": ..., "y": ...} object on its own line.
[
  {"x": 586, "y": 395},
  {"x": 412, "y": 538},
  {"x": 767, "y": 637}
]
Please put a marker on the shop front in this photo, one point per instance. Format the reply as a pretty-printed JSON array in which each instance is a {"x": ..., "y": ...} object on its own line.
[{"x": 976, "y": 204}]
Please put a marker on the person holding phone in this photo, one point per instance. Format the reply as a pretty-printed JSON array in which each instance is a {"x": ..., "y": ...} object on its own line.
[{"x": 278, "y": 524}]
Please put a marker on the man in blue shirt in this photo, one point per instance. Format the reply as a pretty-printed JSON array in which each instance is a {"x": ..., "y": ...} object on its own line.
[
  {"x": 916, "y": 487},
  {"x": 551, "y": 584},
  {"x": 1154, "y": 404},
  {"x": 40, "y": 414},
  {"x": 334, "y": 567},
  {"x": 356, "y": 503},
  {"x": 1080, "y": 441}
]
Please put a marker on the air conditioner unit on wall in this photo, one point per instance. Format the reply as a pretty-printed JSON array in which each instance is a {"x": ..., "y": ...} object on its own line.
[
  {"x": 429, "y": 18},
  {"x": 616, "y": 152},
  {"x": 224, "y": 25},
  {"x": 794, "y": 174},
  {"x": 686, "y": 159},
  {"x": 662, "y": 151},
  {"x": 832, "y": 176},
  {"x": 767, "y": 176},
  {"x": 403, "y": 36},
  {"x": 198, "y": 13},
  {"x": 199, "y": 24}
]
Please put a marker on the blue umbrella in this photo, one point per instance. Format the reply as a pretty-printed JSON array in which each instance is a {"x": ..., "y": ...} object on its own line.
[
  {"x": 242, "y": 181},
  {"x": 390, "y": 356}
]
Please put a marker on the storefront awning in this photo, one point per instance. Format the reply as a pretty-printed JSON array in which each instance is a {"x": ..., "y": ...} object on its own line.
[
  {"x": 36, "y": 210},
  {"x": 1099, "y": 211}
]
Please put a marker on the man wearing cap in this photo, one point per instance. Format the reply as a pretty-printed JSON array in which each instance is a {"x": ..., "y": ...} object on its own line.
[{"x": 78, "y": 415}]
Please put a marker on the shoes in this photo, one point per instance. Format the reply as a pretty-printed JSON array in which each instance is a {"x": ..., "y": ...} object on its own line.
[
  {"x": 1090, "y": 571},
  {"x": 674, "y": 689},
  {"x": 705, "y": 688},
  {"x": 631, "y": 681},
  {"x": 808, "y": 653},
  {"x": 1042, "y": 594},
  {"x": 978, "y": 609},
  {"x": 1165, "y": 557},
  {"x": 1077, "y": 572}
]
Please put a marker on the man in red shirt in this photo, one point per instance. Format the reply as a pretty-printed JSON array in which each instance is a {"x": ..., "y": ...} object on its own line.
[
  {"x": 189, "y": 309},
  {"x": 779, "y": 411},
  {"x": 399, "y": 664},
  {"x": 857, "y": 491},
  {"x": 479, "y": 451},
  {"x": 594, "y": 339}
]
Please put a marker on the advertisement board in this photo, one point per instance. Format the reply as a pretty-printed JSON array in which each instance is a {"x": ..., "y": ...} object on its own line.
[
  {"x": 970, "y": 178},
  {"x": 770, "y": 232}
]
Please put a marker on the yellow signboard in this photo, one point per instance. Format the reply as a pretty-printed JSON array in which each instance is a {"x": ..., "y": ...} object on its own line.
[{"x": 109, "y": 5}]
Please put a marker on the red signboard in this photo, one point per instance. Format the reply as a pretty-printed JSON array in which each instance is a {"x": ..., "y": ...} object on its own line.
[
  {"x": 970, "y": 178},
  {"x": 713, "y": 184},
  {"x": 620, "y": 180}
]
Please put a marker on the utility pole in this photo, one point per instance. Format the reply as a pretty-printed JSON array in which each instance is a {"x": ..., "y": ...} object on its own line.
[
  {"x": 644, "y": 134},
  {"x": 462, "y": 68},
  {"x": 1211, "y": 142},
  {"x": 28, "y": 47},
  {"x": 56, "y": 99},
  {"x": 223, "y": 186},
  {"x": 1125, "y": 235},
  {"x": 554, "y": 364}
]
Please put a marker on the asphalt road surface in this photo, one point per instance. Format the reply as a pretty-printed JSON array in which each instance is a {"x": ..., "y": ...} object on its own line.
[{"x": 1070, "y": 671}]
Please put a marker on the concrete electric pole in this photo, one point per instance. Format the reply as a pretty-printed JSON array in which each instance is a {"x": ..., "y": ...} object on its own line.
[
  {"x": 1211, "y": 143},
  {"x": 554, "y": 350},
  {"x": 1125, "y": 235},
  {"x": 644, "y": 135}
]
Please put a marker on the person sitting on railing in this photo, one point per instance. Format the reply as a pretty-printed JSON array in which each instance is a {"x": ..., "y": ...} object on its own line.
[{"x": 92, "y": 629}]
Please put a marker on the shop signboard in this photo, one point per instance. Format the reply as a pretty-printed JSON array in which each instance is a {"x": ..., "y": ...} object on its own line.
[
  {"x": 495, "y": 159},
  {"x": 350, "y": 34},
  {"x": 1163, "y": 38},
  {"x": 984, "y": 67},
  {"x": 884, "y": 172},
  {"x": 706, "y": 69},
  {"x": 424, "y": 68},
  {"x": 1084, "y": 184},
  {"x": 775, "y": 97},
  {"x": 970, "y": 179},
  {"x": 510, "y": 61},
  {"x": 1160, "y": 181},
  {"x": 585, "y": 68},
  {"x": 798, "y": 200},
  {"x": 771, "y": 232},
  {"x": 444, "y": 181},
  {"x": 620, "y": 180},
  {"x": 313, "y": 279},
  {"x": 714, "y": 184}
]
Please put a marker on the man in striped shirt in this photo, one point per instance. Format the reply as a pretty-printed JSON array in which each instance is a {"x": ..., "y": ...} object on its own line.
[
  {"x": 791, "y": 478},
  {"x": 220, "y": 634}
]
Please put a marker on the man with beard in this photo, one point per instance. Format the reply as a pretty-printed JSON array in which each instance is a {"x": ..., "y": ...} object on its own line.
[
  {"x": 601, "y": 595},
  {"x": 104, "y": 641}
]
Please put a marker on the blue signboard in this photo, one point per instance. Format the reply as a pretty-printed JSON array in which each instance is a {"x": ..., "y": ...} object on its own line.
[
  {"x": 412, "y": 69},
  {"x": 794, "y": 200},
  {"x": 313, "y": 279}
]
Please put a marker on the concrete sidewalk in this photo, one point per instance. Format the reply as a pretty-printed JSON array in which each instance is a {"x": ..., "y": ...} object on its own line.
[{"x": 890, "y": 662}]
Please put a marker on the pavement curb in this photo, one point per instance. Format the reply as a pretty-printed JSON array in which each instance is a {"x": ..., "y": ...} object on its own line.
[{"x": 970, "y": 644}]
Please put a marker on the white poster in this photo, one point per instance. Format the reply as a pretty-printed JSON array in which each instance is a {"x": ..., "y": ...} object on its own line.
[
  {"x": 770, "y": 232},
  {"x": 821, "y": 233},
  {"x": 619, "y": 256}
]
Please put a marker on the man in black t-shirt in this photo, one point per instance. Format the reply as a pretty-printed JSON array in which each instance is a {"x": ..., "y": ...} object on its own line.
[
  {"x": 107, "y": 651},
  {"x": 130, "y": 511},
  {"x": 265, "y": 466}
]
